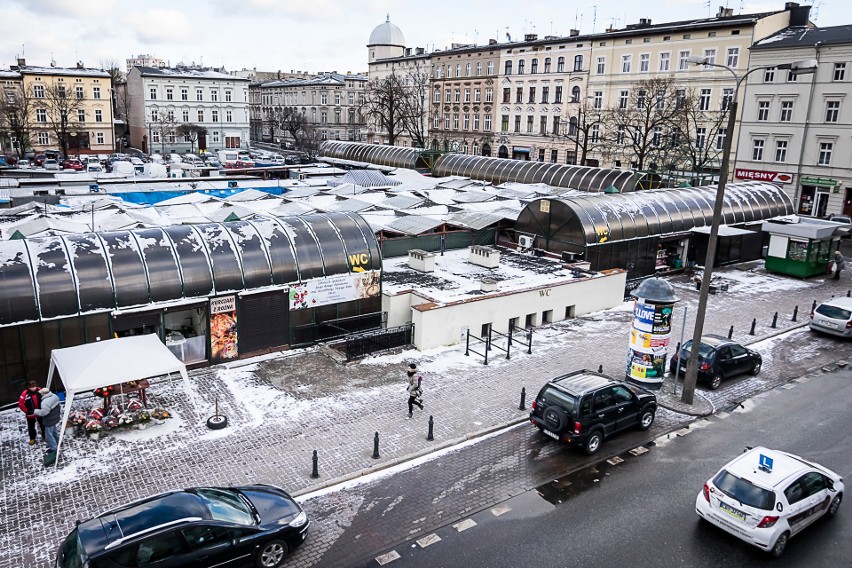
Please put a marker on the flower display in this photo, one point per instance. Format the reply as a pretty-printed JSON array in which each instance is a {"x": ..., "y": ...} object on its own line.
[
  {"x": 109, "y": 422},
  {"x": 160, "y": 414},
  {"x": 93, "y": 426}
]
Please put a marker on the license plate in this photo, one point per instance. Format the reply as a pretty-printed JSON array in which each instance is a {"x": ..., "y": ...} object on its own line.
[
  {"x": 551, "y": 434},
  {"x": 736, "y": 513},
  {"x": 830, "y": 324}
]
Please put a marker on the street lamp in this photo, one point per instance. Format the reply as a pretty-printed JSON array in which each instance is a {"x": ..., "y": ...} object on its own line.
[
  {"x": 63, "y": 121},
  {"x": 797, "y": 68}
]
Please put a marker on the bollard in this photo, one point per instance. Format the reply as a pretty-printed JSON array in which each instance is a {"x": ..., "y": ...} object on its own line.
[
  {"x": 753, "y": 323},
  {"x": 467, "y": 345},
  {"x": 430, "y": 437},
  {"x": 523, "y": 404},
  {"x": 795, "y": 313},
  {"x": 376, "y": 447},
  {"x": 731, "y": 332},
  {"x": 600, "y": 368},
  {"x": 813, "y": 306},
  {"x": 848, "y": 292},
  {"x": 775, "y": 320},
  {"x": 315, "y": 471},
  {"x": 529, "y": 344}
]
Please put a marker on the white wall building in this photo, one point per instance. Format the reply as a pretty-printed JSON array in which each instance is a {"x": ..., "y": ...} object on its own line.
[
  {"x": 144, "y": 60},
  {"x": 162, "y": 99}
]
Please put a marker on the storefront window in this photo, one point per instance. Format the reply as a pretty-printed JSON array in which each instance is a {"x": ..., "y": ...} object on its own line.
[
  {"x": 186, "y": 334},
  {"x": 798, "y": 251}
]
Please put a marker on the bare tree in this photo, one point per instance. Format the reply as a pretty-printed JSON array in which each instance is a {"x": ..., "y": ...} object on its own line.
[
  {"x": 414, "y": 103},
  {"x": 191, "y": 131},
  {"x": 15, "y": 108},
  {"x": 386, "y": 104},
  {"x": 698, "y": 133},
  {"x": 582, "y": 128},
  {"x": 163, "y": 122},
  {"x": 289, "y": 120},
  {"x": 62, "y": 113}
]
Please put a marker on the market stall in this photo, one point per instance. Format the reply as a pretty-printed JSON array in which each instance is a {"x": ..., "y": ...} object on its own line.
[{"x": 112, "y": 362}]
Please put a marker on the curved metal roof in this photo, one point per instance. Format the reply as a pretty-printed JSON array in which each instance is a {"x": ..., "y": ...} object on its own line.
[
  {"x": 594, "y": 219},
  {"x": 394, "y": 156},
  {"x": 501, "y": 170},
  {"x": 62, "y": 276},
  {"x": 386, "y": 33}
]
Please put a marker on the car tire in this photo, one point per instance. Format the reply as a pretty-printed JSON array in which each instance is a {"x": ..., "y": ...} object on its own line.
[
  {"x": 835, "y": 504},
  {"x": 780, "y": 544},
  {"x": 755, "y": 369},
  {"x": 646, "y": 418},
  {"x": 593, "y": 442},
  {"x": 715, "y": 381},
  {"x": 555, "y": 419},
  {"x": 217, "y": 422},
  {"x": 271, "y": 554}
]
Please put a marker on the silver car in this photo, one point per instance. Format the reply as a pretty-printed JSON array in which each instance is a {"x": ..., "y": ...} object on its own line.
[{"x": 834, "y": 317}]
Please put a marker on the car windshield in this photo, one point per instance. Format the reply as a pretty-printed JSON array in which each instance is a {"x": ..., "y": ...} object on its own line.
[
  {"x": 560, "y": 398},
  {"x": 833, "y": 312},
  {"x": 71, "y": 553},
  {"x": 226, "y": 505},
  {"x": 704, "y": 350},
  {"x": 744, "y": 491}
]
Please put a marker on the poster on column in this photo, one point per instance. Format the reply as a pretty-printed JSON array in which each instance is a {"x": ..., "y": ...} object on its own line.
[
  {"x": 334, "y": 289},
  {"x": 223, "y": 329},
  {"x": 649, "y": 341}
]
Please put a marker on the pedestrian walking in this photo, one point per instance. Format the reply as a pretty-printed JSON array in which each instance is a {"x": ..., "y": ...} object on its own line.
[
  {"x": 415, "y": 389},
  {"x": 839, "y": 264},
  {"x": 28, "y": 402},
  {"x": 50, "y": 414}
]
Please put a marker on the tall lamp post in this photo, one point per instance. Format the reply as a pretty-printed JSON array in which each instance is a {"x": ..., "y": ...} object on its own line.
[
  {"x": 63, "y": 122},
  {"x": 797, "y": 68}
]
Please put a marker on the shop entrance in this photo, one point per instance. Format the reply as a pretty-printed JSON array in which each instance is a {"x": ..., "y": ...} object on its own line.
[
  {"x": 847, "y": 202},
  {"x": 186, "y": 333},
  {"x": 814, "y": 201}
]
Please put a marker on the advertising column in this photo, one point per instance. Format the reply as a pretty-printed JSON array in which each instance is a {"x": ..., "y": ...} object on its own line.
[{"x": 651, "y": 331}]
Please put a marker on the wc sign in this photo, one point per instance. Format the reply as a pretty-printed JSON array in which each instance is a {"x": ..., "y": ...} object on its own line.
[{"x": 359, "y": 261}]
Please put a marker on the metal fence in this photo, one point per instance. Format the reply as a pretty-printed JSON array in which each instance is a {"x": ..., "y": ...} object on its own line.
[
  {"x": 432, "y": 243},
  {"x": 333, "y": 329},
  {"x": 362, "y": 344}
]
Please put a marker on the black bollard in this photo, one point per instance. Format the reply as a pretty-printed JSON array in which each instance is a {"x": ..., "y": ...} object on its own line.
[
  {"x": 523, "y": 404},
  {"x": 315, "y": 471},
  {"x": 848, "y": 293},
  {"x": 731, "y": 332},
  {"x": 775, "y": 320},
  {"x": 376, "y": 447},
  {"x": 795, "y": 313},
  {"x": 813, "y": 306},
  {"x": 430, "y": 437},
  {"x": 600, "y": 368},
  {"x": 753, "y": 323}
]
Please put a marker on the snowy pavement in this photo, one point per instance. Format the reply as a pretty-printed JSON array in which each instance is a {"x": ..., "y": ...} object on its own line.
[{"x": 281, "y": 407}]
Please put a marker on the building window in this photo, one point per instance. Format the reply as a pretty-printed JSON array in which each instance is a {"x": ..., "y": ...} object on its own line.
[
  {"x": 825, "y": 149},
  {"x": 572, "y": 126},
  {"x": 153, "y": 93},
  {"x": 199, "y": 94},
  {"x": 665, "y": 61},
  {"x": 839, "y": 72},
  {"x": 466, "y": 122},
  {"x": 215, "y": 117},
  {"x": 436, "y": 121},
  {"x": 578, "y": 62},
  {"x": 534, "y": 66},
  {"x": 530, "y": 120},
  {"x": 171, "y": 116},
  {"x": 449, "y": 97},
  {"x": 532, "y": 95},
  {"x": 229, "y": 117},
  {"x": 508, "y": 69},
  {"x": 38, "y": 91},
  {"x": 99, "y": 115},
  {"x": 727, "y": 97},
  {"x": 169, "y": 94},
  {"x": 710, "y": 54},
  {"x": 323, "y": 98},
  {"x": 200, "y": 115},
  {"x": 657, "y": 138},
  {"x": 601, "y": 66},
  {"x": 216, "y": 136},
  {"x": 457, "y": 95},
  {"x": 619, "y": 135},
  {"x": 786, "y": 111},
  {"x": 556, "y": 121},
  {"x": 490, "y": 68},
  {"x": 542, "y": 125},
  {"x": 680, "y": 99},
  {"x": 184, "y": 94},
  {"x": 477, "y": 95},
  {"x": 41, "y": 115},
  {"x": 683, "y": 64},
  {"x": 641, "y": 98},
  {"x": 757, "y": 150},
  {"x": 557, "y": 94},
  {"x": 486, "y": 123},
  {"x": 227, "y": 96},
  {"x": 547, "y": 65},
  {"x": 517, "y": 123},
  {"x": 479, "y": 68},
  {"x": 467, "y": 94},
  {"x": 437, "y": 97},
  {"x": 458, "y": 70},
  {"x": 155, "y": 115},
  {"x": 733, "y": 57},
  {"x": 475, "y": 122},
  {"x": 467, "y": 70},
  {"x": 446, "y": 121},
  {"x": 597, "y": 100},
  {"x": 80, "y": 93},
  {"x": 449, "y": 71},
  {"x": 769, "y": 75},
  {"x": 43, "y": 139},
  {"x": 504, "y": 123},
  {"x": 439, "y": 72},
  {"x": 519, "y": 95},
  {"x": 545, "y": 93},
  {"x": 720, "y": 139},
  {"x": 185, "y": 115},
  {"x": 791, "y": 77},
  {"x": 521, "y": 66},
  {"x": 595, "y": 133},
  {"x": 704, "y": 99},
  {"x": 81, "y": 115},
  {"x": 155, "y": 136},
  {"x": 560, "y": 65},
  {"x": 489, "y": 95},
  {"x": 214, "y": 95},
  {"x": 622, "y": 99},
  {"x": 232, "y": 141},
  {"x": 832, "y": 111},
  {"x": 762, "y": 111},
  {"x": 644, "y": 62},
  {"x": 781, "y": 151},
  {"x": 625, "y": 63}
]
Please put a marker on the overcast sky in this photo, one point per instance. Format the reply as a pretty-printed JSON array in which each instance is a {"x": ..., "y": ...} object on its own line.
[{"x": 314, "y": 35}]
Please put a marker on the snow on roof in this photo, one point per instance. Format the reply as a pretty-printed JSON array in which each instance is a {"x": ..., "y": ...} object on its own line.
[
  {"x": 196, "y": 73},
  {"x": 75, "y": 71},
  {"x": 413, "y": 224}
]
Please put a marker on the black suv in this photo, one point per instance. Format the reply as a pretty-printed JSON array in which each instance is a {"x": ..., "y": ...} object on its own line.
[
  {"x": 204, "y": 526},
  {"x": 584, "y": 407},
  {"x": 718, "y": 358}
]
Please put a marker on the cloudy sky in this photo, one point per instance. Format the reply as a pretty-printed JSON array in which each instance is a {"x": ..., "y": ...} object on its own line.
[{"x": 313, "y": 35}]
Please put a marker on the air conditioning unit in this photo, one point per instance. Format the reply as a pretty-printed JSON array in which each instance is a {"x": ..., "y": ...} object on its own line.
[{"x": 526, "y": 241}]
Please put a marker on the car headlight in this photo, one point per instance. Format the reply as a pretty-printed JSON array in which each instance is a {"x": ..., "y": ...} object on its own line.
[{"x": 300, "y": 520}]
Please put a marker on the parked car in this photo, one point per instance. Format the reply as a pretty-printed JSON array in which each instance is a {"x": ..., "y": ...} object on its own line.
[
  {"x": 203, "y": 526},
  {"x": 38, "y": 160},
  {"x": 583, "y": 408},
  {"x": 212, "y": 162},
  {"x": 23, "y": 164},
  {"x": 719, "y": 358},
  {"x": 764, "y": 497},
  {"x": 847, "y": 224},
  {"x": 50, "y": 164},
  {"x": 833, "y": 317},
  {"x": 75, "y": 165}
]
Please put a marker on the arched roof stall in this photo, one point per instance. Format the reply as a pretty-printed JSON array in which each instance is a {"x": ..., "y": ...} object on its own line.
[
  {"x": 393, "y": 156},
  {"x": 63, "y": 276},
  {"x": 572, "y": 223},
  {"x": 498, "y": 170}
]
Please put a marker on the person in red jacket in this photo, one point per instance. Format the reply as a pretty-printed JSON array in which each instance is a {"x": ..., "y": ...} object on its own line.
[{"x": 29, "y": 400}]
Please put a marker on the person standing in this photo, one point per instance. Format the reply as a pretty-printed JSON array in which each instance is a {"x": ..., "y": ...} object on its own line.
[
  {"x": 839, "y": 264},
  {"x": 50, "y": 414},
  {"x": 28, "y": 402},
  {"x": 414, "y": 389}
]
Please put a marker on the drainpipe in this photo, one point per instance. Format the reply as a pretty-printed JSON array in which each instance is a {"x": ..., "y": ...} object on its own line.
[{"x": 798, "y": 190}]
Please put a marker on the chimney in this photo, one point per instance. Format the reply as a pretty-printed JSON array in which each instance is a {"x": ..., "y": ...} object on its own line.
[
  {"x": 530, "y": 37},
  {"x": 421, "y": 260},
  {"x": 724, "y": 12},
  {"x": 609, "y": 29},
  {"x": 799, "y": 15},
  {"x": 22, "y": 62},
  {"x": 487, "y": 284},
  {"x": 492, "y": 42},
  {"x": 644, "y": 21},
  {"x": 80, "y": 65},
  {"x": 483, "y": 256},
  {"x": 573, "y": 33},
  {"x": 419, "y": 51}
]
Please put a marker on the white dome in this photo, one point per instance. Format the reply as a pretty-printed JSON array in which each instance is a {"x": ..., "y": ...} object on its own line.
[{"x": 387, "y": 34}]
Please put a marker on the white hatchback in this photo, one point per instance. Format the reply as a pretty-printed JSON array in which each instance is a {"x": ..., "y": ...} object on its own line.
[
  {"x": 764, "y": 497},
  {"x": 833, "y": 317}
]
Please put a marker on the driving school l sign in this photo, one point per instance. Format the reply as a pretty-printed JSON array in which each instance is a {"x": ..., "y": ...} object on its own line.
[{"x": 761, "y": 175}]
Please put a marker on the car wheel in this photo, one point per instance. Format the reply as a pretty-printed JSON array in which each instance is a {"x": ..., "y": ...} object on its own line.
[
  {"x": 217, "y": 422},
  {"x": 715, "y": 381},
  {"x": 755, "y": 370},
  {"x": 646, "y": 418},
  {"x": 555, "y": 418},
  {"x": 593, "y": 442},
  {"x": 780, "y": 544},
  {"x": 835, "y": 504},
  {"x": 272, "y": 554}
]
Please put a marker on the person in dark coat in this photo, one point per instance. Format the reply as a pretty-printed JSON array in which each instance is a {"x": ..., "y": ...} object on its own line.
[
  {"x": 839, "y": 264},
  {"x": 28, "y": 402},
  {"x": 414, "y": 389},
  {"x": 50, "y": 413}
]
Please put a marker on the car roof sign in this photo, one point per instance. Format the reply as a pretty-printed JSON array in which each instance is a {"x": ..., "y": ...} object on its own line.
[{"x": 765, "y": 463}]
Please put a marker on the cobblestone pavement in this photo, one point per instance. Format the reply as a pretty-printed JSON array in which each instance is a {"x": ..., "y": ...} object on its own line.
[{"x": 303, "y": 401}]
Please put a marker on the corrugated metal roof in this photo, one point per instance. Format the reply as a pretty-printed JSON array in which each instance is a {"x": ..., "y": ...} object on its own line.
[
  {"x": 474, "y": 219},
  {"x": 413, "y": 224},
  {"x": 401, "y": 202},
  {"x": 349, "y": 206},
  {"x": 364, "y": 178}
]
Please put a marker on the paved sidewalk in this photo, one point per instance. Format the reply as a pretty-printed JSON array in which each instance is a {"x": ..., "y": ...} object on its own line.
[{"x": 283, "y": 407}]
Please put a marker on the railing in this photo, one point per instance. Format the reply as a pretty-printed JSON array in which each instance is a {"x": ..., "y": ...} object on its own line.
[
  {"x": 333, "y": 329},
  {"x": 369, "y": 342}
]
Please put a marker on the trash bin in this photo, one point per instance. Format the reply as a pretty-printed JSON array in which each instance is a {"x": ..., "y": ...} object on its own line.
[{"x": 678, "y": 263}]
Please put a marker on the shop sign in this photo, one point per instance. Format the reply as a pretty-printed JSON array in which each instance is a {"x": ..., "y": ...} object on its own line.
[
  {"x": 819, "y": 181},
  {"x": 521, "y": 149},
  {"x": 760, "y": 175},
  {"x": 223, "y": 329},
  {"x": 224, "y": 304},
  {"x": 334, "y": 290},
  {"x": 649, "y": 341}
]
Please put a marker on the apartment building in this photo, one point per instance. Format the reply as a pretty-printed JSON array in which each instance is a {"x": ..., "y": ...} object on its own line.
[
  {"x": 161, "y": 99},
  {"x": 797, "y": 130}
]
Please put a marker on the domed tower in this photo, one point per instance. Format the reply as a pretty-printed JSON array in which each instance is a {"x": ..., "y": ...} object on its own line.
[{"x": 386, "y": 41}]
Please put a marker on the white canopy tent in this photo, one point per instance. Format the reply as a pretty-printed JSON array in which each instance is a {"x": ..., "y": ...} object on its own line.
[{"x": 114, "y": 361}]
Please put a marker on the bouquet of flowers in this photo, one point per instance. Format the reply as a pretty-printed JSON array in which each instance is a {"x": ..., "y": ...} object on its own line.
[
  {"x": 125, "y": 419},
  {"x": 143, "y": 416},
  {"x": 160, "y": 414},
  {"x": 93, "y": 426},
  {"x": 109, "y": 422},
  {"x": 96, "y": 414},
  {"x": 134, "y": 405}
]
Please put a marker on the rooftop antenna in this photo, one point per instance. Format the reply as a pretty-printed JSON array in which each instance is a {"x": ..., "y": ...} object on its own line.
[
  {"x": 594, "y": 17},
  {"x": 475, "y": 37}
]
